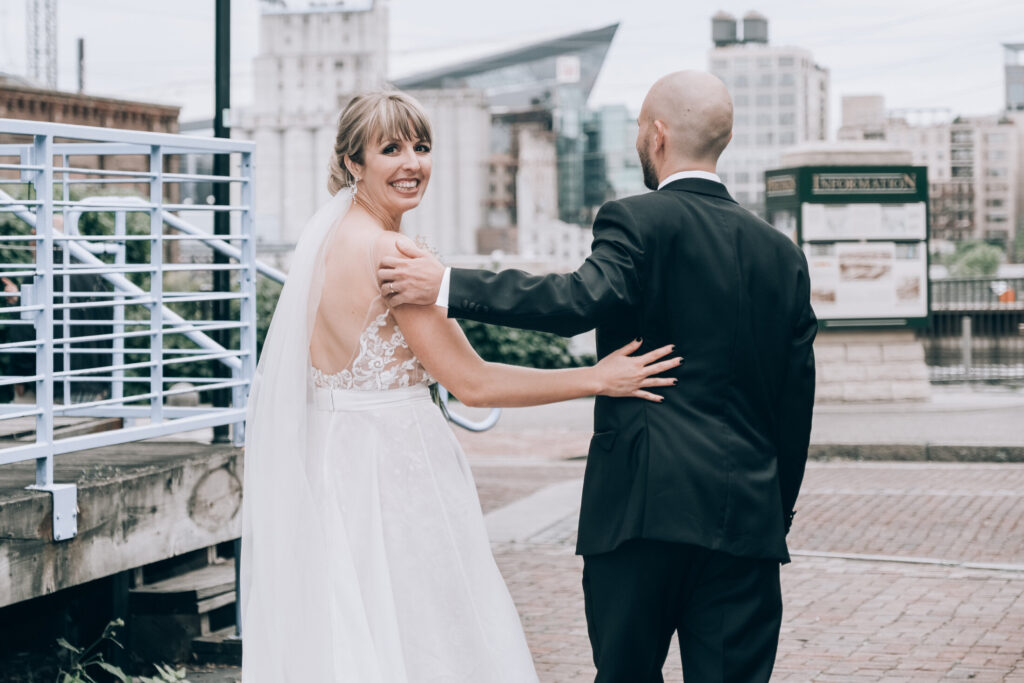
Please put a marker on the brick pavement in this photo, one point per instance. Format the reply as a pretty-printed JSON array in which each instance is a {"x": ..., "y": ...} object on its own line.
[{"x": 846, "y": 618}]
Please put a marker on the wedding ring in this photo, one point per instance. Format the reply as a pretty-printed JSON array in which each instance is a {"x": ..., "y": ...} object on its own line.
[{"x": 391, "y": 287}]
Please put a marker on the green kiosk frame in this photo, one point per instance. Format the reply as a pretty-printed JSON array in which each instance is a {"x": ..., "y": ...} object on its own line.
[{"x": 864, "y": 230}]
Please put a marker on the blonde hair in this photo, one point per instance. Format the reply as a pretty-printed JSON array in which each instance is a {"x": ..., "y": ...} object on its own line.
[{"x": 368, "y": 119}]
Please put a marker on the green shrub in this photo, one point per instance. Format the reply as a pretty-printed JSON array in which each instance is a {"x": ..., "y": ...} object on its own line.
[{"x": 521, "y": 347}]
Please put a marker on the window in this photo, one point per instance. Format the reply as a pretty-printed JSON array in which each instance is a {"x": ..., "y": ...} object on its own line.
[
  {"x": 785, "y": 61},
  {"x": 995, "y": 172},
  {"x": 787, "y": 118},
  {"x": 741, "y": 100},
  {"x": 764, "y": 62},
  {"x": 963, "y": 172},
  {"x": 995, "y": 218},
  {"x": 719, "y": 64},
  {"x": 764, "y": 119},
  {"x": 765, "y": 138},
  {"x": 742, "y": 177},
  {"x": 741, "y": 81},
  {"x": 994, "y": 203},
  {"x": 741, "y": 120},
  {"x": 766, "y": 80},
  {"x": 787, "y": 137},
  {"x": 787, "y": 79},
  {"x": 786, "y": 99},
  {"x": 996, "y": 139},
  {"x": 764, "y": 100},
  {"x": 961, "y": 136},
  {"x": 996, "y": 155},
  {"x": 961, "y": 155},
  {"x": 741, "y": 63}
]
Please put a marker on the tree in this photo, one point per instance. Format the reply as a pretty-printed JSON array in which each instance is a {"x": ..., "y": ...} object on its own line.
[{"x": 975, "y": 259}]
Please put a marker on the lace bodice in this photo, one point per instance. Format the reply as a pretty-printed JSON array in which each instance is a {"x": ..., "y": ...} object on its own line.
[{"x": 384, "y": 361}]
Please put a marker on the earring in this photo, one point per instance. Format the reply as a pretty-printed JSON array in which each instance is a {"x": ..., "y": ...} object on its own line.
[{"x": 355, "y": 187}]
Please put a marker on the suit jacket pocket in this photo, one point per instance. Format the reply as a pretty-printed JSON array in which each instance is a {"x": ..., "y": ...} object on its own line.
[{"x": 602, "y": 442}]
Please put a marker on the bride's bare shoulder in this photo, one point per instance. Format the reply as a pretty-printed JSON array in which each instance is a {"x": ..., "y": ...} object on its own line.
[{"x": 387, "y": 243}]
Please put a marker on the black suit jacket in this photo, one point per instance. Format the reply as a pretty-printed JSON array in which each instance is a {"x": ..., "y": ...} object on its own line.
[{"x": 719, "y": 463}]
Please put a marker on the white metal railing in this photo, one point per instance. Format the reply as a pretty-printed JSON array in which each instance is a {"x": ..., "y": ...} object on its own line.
[
  {"x": 143, "y": 344},
  {"x": 46, "y": 219}
]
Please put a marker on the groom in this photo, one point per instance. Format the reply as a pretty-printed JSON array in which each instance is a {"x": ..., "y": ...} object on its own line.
[{"x": 686, "y": 504}]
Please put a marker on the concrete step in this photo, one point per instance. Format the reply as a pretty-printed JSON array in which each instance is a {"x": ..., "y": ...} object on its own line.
[
  {"x": 195, "y": 592},
  {"x": 219, "y": 647},
  {"x": 165, "y": 617}
]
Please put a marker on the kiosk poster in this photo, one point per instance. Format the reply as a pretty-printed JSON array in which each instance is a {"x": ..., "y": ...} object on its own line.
[{"x": 868, "y": 279}]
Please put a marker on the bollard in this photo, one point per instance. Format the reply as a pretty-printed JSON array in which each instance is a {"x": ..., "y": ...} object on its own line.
[{"x": 965, "y": 344}]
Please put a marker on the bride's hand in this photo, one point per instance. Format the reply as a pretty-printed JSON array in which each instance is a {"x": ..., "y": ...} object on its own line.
[{"x": 620, "y": 374}]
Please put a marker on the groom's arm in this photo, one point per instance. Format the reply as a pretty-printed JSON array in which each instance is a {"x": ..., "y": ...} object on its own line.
[
  {"x": 797, "y": 399},
  {"x": 606, "y": 284}
]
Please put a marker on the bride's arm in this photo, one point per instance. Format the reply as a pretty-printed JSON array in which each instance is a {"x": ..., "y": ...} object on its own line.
[{"x": 442, "y": 347}]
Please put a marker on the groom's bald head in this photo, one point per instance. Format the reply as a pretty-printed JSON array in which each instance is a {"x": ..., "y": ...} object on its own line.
[{"x": 689, "y": 115}]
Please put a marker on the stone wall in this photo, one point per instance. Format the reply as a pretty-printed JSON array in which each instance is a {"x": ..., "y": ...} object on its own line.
[{"x": 868, "y": 365}]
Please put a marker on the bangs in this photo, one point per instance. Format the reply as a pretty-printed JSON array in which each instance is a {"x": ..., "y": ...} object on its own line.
[{"x": 399, "y": 118}]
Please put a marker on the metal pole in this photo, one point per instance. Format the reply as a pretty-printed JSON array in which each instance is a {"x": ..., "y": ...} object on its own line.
[
  {"x": 221, "y": 166},
  {"x": 965, "y": 344}
]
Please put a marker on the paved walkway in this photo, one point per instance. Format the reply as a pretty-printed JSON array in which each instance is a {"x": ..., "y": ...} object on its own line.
[{"x": 900, "y": 572}]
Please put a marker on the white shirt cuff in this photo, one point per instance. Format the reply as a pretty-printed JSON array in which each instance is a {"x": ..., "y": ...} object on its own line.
[{"x": 442, "y": 293}]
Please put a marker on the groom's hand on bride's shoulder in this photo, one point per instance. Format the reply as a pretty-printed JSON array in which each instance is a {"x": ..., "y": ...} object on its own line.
[{"x": 412, "y": 278}]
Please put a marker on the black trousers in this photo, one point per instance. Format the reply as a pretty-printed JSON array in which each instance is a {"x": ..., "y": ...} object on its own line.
[{"x": 726, "y": 609}]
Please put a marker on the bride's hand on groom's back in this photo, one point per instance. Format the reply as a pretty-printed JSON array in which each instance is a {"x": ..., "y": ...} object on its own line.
[{"x": 623, "y": 375}]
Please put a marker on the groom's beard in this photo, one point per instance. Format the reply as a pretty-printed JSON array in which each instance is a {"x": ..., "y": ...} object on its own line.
[{"x": 650, "y": 175}]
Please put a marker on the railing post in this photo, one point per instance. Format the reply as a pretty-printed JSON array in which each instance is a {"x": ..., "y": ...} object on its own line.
[
  {"x": 43, "y": 292},
  {"x": 117, "y": 314},
  {"x": 247, "y": 305},
  {"x": 966, "y": 345},
  {"x": 156, "y": 285},
  {"x": 64, "y": 497}
]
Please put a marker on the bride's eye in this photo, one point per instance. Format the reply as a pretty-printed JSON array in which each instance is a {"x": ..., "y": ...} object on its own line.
[
  {"x": 423, "y": 148},
  {"x": 390, "y": 149}
]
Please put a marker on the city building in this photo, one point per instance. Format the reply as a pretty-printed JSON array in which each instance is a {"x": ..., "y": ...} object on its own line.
[
  {"x": 533, "y": 183},
  {"x": 780, "y": 99},
  {"x": 974, "y": 169},
  {"x": 612, "y": 164},
  {"x": 23, "y": 99},
  {"x": 1014, "y": 72},
  {"x": 311, "y": 62}
]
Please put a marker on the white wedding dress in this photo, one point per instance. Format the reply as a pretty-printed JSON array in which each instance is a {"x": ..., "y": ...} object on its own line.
[{"x": 365, "y": 554}]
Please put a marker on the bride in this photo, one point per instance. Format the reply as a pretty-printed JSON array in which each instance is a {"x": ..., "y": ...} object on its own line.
[{"x": 364, "y": 552}]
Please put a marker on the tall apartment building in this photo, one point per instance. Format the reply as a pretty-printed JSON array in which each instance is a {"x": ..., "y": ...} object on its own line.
[
  {"x": 1014, "y": 71},
  {"x": 780, "y": 99},
  {"x": 310, "y": 63},
  {"x": 974, "y": 171}
]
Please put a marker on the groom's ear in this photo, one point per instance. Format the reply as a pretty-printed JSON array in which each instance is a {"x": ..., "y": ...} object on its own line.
[{"x": 659, "y": 134}]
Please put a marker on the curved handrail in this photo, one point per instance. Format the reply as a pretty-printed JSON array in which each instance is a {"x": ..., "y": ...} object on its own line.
[{"x": 471, "y": 425}]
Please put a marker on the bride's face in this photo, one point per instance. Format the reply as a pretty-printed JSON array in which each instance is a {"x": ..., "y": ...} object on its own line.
[{"x": 395, "y": 174}]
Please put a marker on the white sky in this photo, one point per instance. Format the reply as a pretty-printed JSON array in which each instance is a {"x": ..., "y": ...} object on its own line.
[{"x": 917, "y": 53}]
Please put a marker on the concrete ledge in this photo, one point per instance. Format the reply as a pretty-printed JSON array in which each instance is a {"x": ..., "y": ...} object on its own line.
[
  {"x": 138, "y": 503},
  {"x": 915, "y": 452}
]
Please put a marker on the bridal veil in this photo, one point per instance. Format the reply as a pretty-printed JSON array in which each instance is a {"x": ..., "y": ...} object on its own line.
[{"x": 296, "y": 573}]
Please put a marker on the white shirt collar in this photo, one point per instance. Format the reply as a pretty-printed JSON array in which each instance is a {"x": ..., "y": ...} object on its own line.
[{"x": 690, "y": 174}]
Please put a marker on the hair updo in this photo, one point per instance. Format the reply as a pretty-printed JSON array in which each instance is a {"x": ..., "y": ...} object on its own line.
[{"x": 367, "y": 120}]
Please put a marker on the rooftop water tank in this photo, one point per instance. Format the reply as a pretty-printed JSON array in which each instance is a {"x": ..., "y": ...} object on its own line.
[
  {"x": 755, "y": 27},
  {"x": 723, "y": 29}
]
